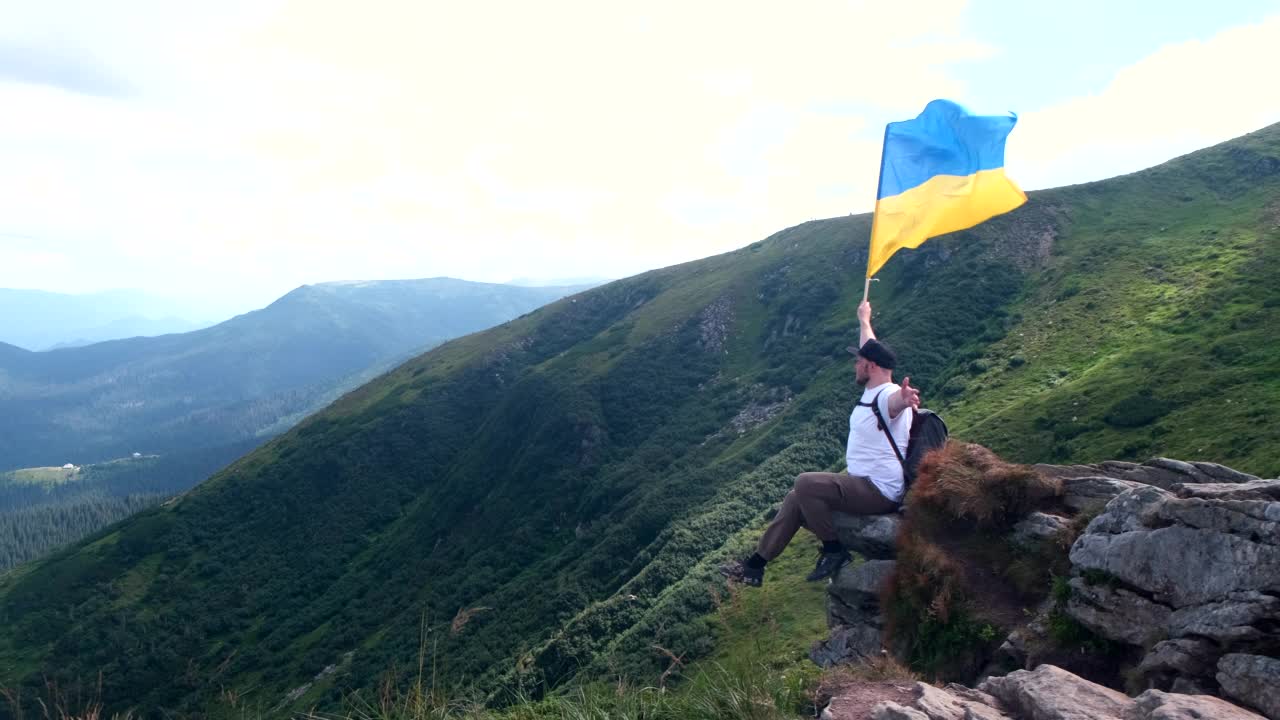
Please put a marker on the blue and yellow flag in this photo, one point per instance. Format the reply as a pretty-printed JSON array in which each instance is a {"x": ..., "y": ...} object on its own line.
[{"x": 939, "y": 173}]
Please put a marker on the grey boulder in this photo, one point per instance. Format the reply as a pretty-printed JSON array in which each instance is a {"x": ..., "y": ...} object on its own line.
[
  {"x": 1253, "y": 680},
  {"x": 1051, "y": 693}
]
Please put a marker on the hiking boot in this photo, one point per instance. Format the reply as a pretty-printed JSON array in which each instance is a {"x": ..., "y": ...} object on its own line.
[
  {"x": 739, "y": 571},
  {"x": 828, "y": 564}
]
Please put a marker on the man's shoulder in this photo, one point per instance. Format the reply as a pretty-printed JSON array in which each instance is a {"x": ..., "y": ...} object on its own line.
[{"x": 883, "y": 391}]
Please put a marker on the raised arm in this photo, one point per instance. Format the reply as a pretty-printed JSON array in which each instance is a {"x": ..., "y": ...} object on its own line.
[
  {"x": 907, "y": 397},
  {"x": 864, "y": 322}
]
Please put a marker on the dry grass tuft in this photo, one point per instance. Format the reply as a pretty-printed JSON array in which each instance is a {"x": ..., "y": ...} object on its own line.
[
  {"x": 969, "y": 482},
  {"x": 463, "y": 617},
  {"x": 884, "y": 668},
  {"x": 927, "y": 577}
]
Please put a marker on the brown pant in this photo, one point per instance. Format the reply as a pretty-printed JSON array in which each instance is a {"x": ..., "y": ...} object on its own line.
[{"x": 810, "y": 503}]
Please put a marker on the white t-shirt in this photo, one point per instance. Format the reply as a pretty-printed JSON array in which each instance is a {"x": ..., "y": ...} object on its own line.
[{"x": 868, "y": 452}]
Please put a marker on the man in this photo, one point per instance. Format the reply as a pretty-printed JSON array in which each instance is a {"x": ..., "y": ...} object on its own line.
[{"x": 873, "y": 481}]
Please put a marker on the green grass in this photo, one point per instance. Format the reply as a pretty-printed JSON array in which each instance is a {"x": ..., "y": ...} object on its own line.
[
  {"x": 43, "y": 476},
  {"x": 1164, "y": 349}
]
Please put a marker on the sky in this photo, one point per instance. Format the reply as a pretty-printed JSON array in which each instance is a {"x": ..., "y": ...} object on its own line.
[{"x": 232, "y": 151}]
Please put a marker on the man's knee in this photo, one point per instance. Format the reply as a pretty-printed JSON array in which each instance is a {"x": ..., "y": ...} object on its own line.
[{"x": 806, "y": 483}]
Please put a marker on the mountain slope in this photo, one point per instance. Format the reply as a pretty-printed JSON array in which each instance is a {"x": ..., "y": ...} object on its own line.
[
  {"x": 247, "y": 377},
  {"x": 573, "y": 476}
]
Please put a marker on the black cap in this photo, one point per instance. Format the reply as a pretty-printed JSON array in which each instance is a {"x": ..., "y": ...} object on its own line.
[{"x": 877, "y": 352}]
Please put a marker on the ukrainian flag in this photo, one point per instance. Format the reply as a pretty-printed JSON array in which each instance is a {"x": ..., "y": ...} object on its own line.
[{"x": 941, "y": 172}]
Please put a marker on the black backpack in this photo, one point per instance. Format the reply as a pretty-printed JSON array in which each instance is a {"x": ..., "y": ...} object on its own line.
[{"x": 928, "y": 431}]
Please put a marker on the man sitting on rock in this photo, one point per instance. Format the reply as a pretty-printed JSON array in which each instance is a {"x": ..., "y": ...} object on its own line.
[{"x": 872, "y": 483}]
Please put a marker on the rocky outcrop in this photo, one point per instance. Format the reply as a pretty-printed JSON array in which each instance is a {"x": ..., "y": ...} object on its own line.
[
  {"x": 871, "y": 536},
  {"x": 1118, "y": 613},
  {"x": 1190, "y": 574},
  {"x": 1163, "y": 473},
  {"x": 1252, "y": 679},
  {"x": 1157, "y": 705},
  {"x": 853, "y": 596},
  {"x": 853, "y": 614},
  {"x": 1179, "y": 568},
  {"x": 1051, "y": 693},
  {"x": 1047, "y": 693},
  {"x": 1039, "y": 526}
]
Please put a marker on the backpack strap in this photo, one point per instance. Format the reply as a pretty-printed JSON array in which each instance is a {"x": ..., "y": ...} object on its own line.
[{"x": 875, "y": 408}]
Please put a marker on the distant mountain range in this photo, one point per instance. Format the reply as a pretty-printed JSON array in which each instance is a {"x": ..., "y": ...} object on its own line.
[
  {"x": 248, "y": 377},
  {"x": 41, "y": 320}
]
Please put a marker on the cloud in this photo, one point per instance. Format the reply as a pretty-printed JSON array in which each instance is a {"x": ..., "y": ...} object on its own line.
[
  {"x": 270, "y": 144},
  {"x": 314, "y": 141},
  {"x": 41, "y": 67},
  {"x": 1181, "y": 98}
]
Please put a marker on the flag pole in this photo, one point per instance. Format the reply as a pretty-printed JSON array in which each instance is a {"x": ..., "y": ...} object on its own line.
[{"x": 866, "y": 287}]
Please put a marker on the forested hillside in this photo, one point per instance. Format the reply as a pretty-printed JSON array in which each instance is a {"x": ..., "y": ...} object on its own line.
[
  {"x": 44, "y": 508},
  {"x": 569, "y": 480}
]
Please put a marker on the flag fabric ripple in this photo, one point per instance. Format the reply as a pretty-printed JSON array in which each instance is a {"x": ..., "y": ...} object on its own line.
[{"x": 939, "y": 173}]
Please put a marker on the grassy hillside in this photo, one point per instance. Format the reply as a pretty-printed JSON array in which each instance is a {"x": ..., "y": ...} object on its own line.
[{"x": 569, "y": 480}]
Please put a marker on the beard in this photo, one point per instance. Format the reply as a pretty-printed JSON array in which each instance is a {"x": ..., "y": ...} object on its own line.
[{"x": 861, "y": 380}]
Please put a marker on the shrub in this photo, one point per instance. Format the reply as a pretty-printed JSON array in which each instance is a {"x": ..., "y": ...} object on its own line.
[
  {"x": 1136, "y": 410},
  {"x": 969, "y": 482},
  {"x": 954, "y": 386},
  {"x": 960, "y": 583}
]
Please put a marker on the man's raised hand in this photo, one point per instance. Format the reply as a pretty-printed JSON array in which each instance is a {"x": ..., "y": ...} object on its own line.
[
  {"x": 864, "y": 311},
  {"x": 910, "y": 395}
]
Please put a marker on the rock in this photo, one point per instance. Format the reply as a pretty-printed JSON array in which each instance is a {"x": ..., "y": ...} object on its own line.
[
  {"x": 847, "y": 644},
  {"x": 1118, "y": 614},
  {"x": 1183, "y": 658},
  {"x": 1194, "y": 472},
  {"x": 1166, "y": 473},
  {"x": 1039, "y": 526},
  {"x": 1255, "y": 489},
  {"x": 1187, "y": 686},
  {"x": 1158, "y": 472},
  {"x": 1091, "y": 494},
  {"x": 861, "y": 584},
  {"x": 1233, "y": 620},
  {"x": 893, "y": 711},
  {"x": 978, "y": 712},
  {"x": 1114, "y": 469},
  {"x": 949, "y": 705},
  {"x": 1193, "y": 574},
  {"x": 938, "y": 704},
  {"x": 1016, "y": 648},
  {"x": 1253, "y": 680},
  {"x": 1207, "y": 566},
  {"x": 1021, "y": 649},
  {"x": 853, "y": 596},
  {"x": 1051, "y": 693},
  {"x": 968, "y": 693},
  {"x": 1128, "y": 511},
  {"x": 1157, "y": 705},
  {"x": 853, "y": 614},
  {"x": 1257, "y": 520},
  {"x": 872, "y": 536}
]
